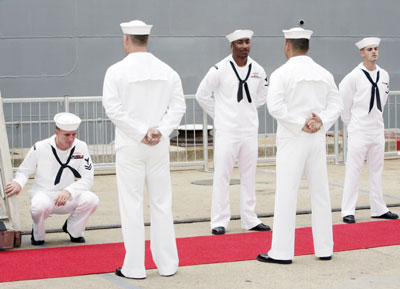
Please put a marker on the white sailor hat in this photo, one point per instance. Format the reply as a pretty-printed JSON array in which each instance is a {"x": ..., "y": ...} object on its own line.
[
  {"x": 239, "y": 34},
  {"x": 297, "y": 33},
  {"x": 135, "y": 27},
  {"x": 367, "y": 42},
  {"x": 67, "y": 121}
]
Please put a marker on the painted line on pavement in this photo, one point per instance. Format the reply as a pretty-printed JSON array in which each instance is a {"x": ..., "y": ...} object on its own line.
[
  {"x": 366, "y": 191},
  {"x": 332, "y": 185},
  {"x": 118, "y": 281}
]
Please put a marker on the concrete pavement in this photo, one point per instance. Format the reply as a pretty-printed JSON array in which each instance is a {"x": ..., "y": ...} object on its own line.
[{"x": 373, "y": 268}]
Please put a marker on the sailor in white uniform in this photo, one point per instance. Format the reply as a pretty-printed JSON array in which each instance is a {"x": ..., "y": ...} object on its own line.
[
  {"x": 230, "y": 93},
  {"x": 143, "y": 97},
  {"x": 365, "y": 91},
  {"x": 57, "y": 162},
  {"x": 305, "y": 101}
]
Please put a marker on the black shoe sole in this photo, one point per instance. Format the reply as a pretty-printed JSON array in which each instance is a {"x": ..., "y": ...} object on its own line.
[
  {"x": 327, "y": 258},
  {"x": 118, "y": 272},
  {"x": 37, "y": 243},
  {"x": 73, "y": 239},
  {"x": 218, "y": 232},
  {"x": 34, "y": 242},
  {"x": 260, "y": 230},
  {"x": 349, "y": 221},
  {"x": 385, "y": 218},
  {"x": 274, "y": 261},
  {"x": 77, "y": 240}
]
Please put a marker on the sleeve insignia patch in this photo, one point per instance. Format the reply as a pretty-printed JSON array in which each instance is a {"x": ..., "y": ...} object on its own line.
[
  {"x": 266, "y": 81},
  {"x": 88, "y": 165}
]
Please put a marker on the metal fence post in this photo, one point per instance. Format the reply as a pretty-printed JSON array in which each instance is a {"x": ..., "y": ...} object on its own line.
[
  {"x": 344, "y": 143},
  {"x": 66, "y": 103},
  {"x": 336, "y": 144},
  {"x": 205, "y": 141}
]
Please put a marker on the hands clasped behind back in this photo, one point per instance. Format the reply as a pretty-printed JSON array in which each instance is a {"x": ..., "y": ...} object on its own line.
[
  {"x": 152, "y": 137},
  {"x": 312, "y": 124}
]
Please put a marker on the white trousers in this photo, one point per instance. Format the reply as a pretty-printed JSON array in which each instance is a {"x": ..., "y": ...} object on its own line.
[
  {"x": 305, "y": 153},
  {"x": 80, "y": 208},
  {"x": 359, "y": 147},
  {"x": 137, "y": 166},
  {"x": 229, "y": 147}
]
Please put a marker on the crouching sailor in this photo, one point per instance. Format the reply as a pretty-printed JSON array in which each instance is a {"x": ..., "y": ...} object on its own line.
[{"x": 63, "y": 176}]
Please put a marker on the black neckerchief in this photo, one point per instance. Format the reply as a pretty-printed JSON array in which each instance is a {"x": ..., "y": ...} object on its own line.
[
  {"x": 241, "y": 82},
  {"x": 63, "y": 166},
  {"x": 373, "y": 90}
]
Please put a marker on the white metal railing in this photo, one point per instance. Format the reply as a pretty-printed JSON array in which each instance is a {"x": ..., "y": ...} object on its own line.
[
  {"x": 392, "y": 127},
  {"x": 29, "y": 120}
]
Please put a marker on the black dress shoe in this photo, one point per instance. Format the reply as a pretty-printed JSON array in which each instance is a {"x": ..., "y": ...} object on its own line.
[
  {"x": 389, "y": 215},
  {"x": 326, "y": 258},
  {"x": 260, "y": 227},
  {"x": 36, "y": 242},
  {"x": 218, "y": 231},
  {"x": 265, "y": 258},
  {"x": 118, "y": 272},
  {"x": 349, "y": 219},
  {"x": 73, "y": 239}
]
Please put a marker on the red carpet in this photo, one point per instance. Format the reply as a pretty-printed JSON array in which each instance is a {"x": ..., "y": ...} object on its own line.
[{"x": 104, "y": 258}]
